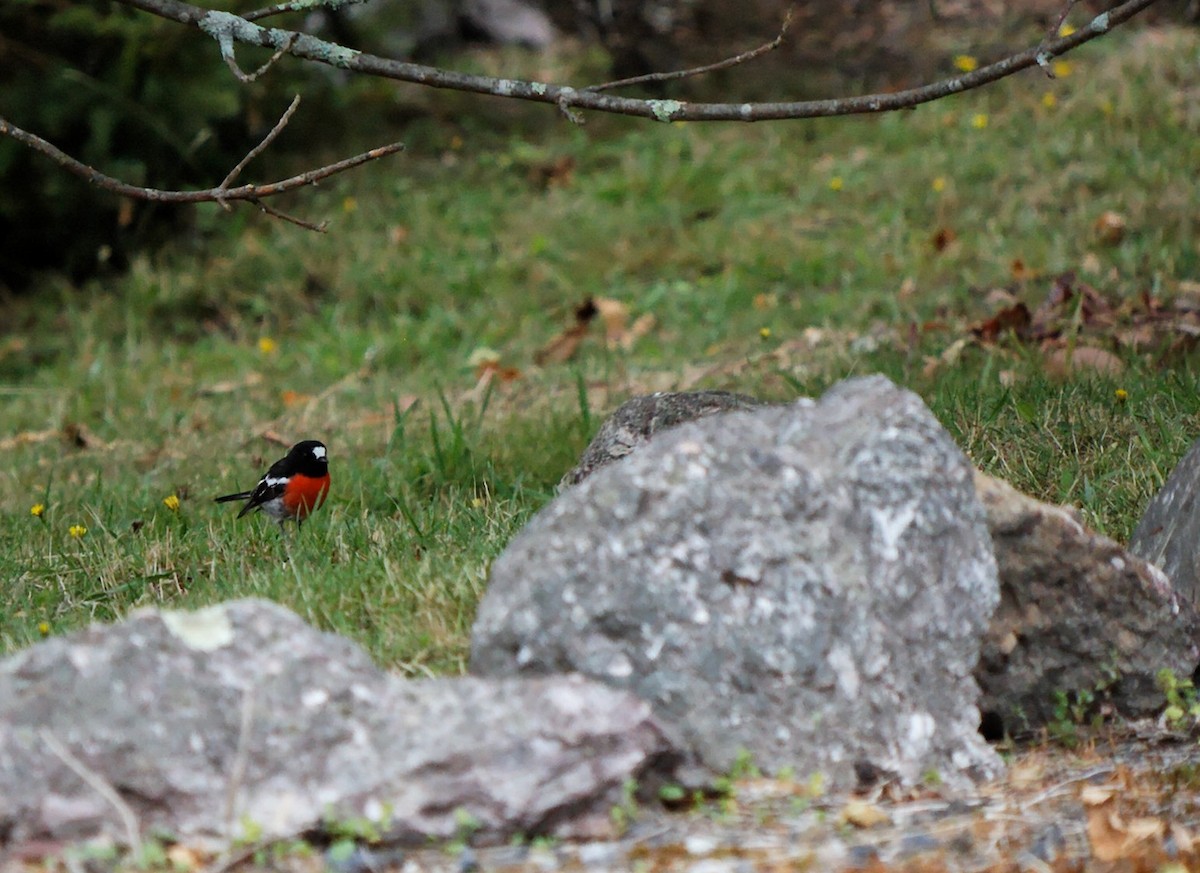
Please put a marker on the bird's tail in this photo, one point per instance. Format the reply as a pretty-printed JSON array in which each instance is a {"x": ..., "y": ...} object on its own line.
[{"x": 241, "y": 495}]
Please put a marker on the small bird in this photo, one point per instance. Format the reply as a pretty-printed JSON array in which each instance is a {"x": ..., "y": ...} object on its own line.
[{"x": 293, "y": 487}]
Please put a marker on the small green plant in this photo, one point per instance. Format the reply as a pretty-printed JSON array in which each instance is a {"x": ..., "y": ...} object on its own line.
[
  {"x": 744, "y": 766},
  {"x": 624, "y": 813},
  {"x": 1070, "y": 713},
  {"x": 1183, "y": 703}
]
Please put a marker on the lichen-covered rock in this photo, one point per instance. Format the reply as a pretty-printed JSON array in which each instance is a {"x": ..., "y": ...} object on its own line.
[
  {"x": 807, "y": 583},
  {"x": 636, "y": 421},
  {"x": 241, "y": 716}
]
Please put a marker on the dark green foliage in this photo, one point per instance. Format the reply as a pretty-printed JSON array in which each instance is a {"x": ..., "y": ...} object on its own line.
[{"x": 137, "y": 97}]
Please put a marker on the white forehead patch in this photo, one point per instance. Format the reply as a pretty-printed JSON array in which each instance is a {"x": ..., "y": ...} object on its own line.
[{"x": 318, "y": 451}]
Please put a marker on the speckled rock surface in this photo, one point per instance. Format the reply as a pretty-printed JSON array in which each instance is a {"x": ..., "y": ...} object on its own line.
[
  {"x": 1168, "y": 534},
  {"x": 808, "y": 583},
  {"x": 200, "y": 723},
  {"x": 1078, "y": 614},
  {"x": 636, "y": 421}
]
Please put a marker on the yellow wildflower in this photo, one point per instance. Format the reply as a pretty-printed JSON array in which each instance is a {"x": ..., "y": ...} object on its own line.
[
  {"x": 938, "y": 184},
  {"x": 1121, "y": 394},
  {"x": 171, "y": 502},
  {"x": 764, "y": 332},
  {"x": 836, "y": 183},
  {"x": 979, "y": 120},
  {"x": 1062, "y": 69},
  {"x": 37, "y": 510},
  {"x": 1049, "y": 100},
  {"x": 44, "y": 628},
  {"x": 267, "y": 346},
  {"x": 966, "y": 63},
  {"x": 77, "y": 531},
  {"x": 350, "y": 204}
]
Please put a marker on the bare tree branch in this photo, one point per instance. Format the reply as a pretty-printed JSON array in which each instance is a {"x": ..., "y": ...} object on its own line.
[
  {"x": 252, "y": 193},
  {"x": 297, "y": 6},
  {"x": 1043, "y": 59},
  {"x": 260, "y": 148},
  {"x": 232, "y": 63},
  {"x": 709, "y": 68},
  {"x": 227, "y": 28}
]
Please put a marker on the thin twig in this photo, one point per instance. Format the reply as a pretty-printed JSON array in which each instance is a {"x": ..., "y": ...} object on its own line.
[
  {"x": 295, "y": 6},
  {"x": 100, "y": 785},
  {"x": 258, "y": 149},
  {"x": 318, "y": 227},
  {"x": 250, "y": 77},
  {"x": 253, "y": 193},
  {"x": 1043, "y": 796},
  {"x": 1043, "y": 59},
  {"x": 707, "y": 68}
]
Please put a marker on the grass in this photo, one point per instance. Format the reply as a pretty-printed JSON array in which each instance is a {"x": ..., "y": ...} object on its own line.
[{"x": 763, "y": 274}]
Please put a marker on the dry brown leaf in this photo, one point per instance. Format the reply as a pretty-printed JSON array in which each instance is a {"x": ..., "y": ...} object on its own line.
[
  {"x": 1015, "y": 319},
  {"x": 29, "y": 437},
  {"x": 765, "y": 302},
  {"x": 1020, "y": 272},
  {"x": 563, "y": 347},
  {"x": 1097, "y": 795},
  {"x": 558, "y": 173},
  {"x": 862, "y": 814},
  {"x": 1184, "y": 841},
  {"x": 943, "y": 239},
  {"x": 641, "y": 326},
  {"x": 293, "y": 398},
  {"x": 230, "y": 386},
  {"x": 1110, "y": 227},
  {"x": 1091, "y": 264},
  {"x": 1026, "y": 774},
  {"x": 272, "y": 437},
  {"x": 1063, "y": 362},
  {"x": 615, "y": 316},
  {"x": 907, "y": 288}
]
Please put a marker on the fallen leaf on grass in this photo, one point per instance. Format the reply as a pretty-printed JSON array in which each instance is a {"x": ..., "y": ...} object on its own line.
[
  {"x": 1020, "y": 272},
  {"x": 29, "y": 437},
  {"x": 557, "y": 173},
  {"x": 1110, "y": 227},
  {"x": 230, "y": 386},
  {"x": 948, "y": 358},
  {"x": 1063, "y": 361},
  {"x": 943, "y": 239},
  {"x": 564, "y": 346},
  {"x": 1014, "y": 319},
  {"x": 272, "y": 437},
  {"x": 293, "y": 398}
]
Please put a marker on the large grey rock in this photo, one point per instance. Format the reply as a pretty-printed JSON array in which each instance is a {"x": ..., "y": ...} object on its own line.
[
  {"x": 636, "y": 421},
  {"x": 201, "y": 722},
  {"x": 1078, "y": 615},
  {"x": 1168, "y": 535},
  {"x": 808, "y": 583}
]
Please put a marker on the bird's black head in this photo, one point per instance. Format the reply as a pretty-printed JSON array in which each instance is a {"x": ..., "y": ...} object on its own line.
[{"x": 309, "y": 458}]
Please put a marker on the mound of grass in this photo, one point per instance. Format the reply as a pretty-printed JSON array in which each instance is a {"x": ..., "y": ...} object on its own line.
[{"x": 774, "y": 259}]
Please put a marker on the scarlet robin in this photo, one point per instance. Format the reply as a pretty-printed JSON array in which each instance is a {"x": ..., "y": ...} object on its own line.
[{"x": 294, "y": 486}]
